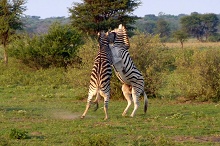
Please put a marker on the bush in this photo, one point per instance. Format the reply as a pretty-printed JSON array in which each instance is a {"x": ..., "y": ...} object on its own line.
[
  {"x": 214, "y": 38},
  {"x": 196, "y": 75},
  {"x": 57, "y": 48},
  {"x": 151, "y": 58},
  {"x": 18, "y": 134}
]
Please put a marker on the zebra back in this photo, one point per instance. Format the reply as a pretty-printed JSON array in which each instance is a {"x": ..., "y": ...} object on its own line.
[
  {"x": 104, "y": 47},
  {"x": 102, "y": 65}
]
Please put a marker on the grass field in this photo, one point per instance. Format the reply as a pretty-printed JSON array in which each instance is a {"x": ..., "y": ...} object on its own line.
[
  {"x": 43, "y": 108},
  {"x": 51, "y": 116},
  {"x": 194, "y": 44}
]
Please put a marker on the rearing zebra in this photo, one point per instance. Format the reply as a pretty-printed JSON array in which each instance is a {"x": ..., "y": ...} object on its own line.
[
  {"x": 126, "y": 71},
  {"x": 101, "y": 75}
]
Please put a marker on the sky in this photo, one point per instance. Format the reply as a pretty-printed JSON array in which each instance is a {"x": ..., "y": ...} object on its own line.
[{"x": 59, "y": 8}]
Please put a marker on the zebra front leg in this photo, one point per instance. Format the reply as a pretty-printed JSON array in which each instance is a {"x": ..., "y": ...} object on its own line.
[
  {"x": 127, "y": 94},
  {"x": 87, "y": 106}
]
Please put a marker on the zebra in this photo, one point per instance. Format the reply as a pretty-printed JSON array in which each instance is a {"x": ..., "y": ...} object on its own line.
[
  {"x": 125, "y": 70},
  {"x": 101, "y": 75}
]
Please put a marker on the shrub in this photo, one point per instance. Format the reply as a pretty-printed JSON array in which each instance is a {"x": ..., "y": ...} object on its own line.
[
  {"x": 18, "y": 134},
  {"x": 150, "y": 57},
  {"x": 214, "y": 38},
  {"x": 196, "y": 75},
  {"x": 57, "y": 48}
]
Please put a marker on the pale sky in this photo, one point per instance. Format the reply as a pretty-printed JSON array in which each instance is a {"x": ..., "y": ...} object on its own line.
[{"x": 55, "y": 8}]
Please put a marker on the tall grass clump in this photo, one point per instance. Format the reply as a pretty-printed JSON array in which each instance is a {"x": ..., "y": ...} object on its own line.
[
  {"x": 18, "y": 74},
  {"x": 80, "y": 76}
]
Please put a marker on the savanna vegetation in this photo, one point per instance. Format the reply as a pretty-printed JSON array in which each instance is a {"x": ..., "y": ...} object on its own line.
[
  {"x": 46, "y": 104},
  {"x": 44, "y": 86}
]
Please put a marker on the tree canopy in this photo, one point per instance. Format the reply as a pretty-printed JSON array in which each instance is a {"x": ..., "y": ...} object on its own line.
[
  {"x": 92, "y": 16},
  {"x": 200, "y": 25},
  {"x": 163, "y": 28},
  {"x": 180, "y": 36}
]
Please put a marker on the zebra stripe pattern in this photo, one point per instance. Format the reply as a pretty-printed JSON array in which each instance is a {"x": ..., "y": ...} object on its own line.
[
  {"x": 126, "y": 71},
  {"x": 101, "y": 75}
]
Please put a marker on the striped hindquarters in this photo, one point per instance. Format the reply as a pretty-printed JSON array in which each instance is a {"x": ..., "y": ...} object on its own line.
[{"x": 101, "y": 72}]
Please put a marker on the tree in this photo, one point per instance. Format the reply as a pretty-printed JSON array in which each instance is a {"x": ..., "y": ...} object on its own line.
[
  {"x": 210, "y": 23},
  {"x": 193, "y": 25},
  {"x": 92, "y": 16},
  {"x": 180, "y": 36},
  {"x": 162, "y": 28},
  {"x": 200, "y": 25},
  {"x": 150, "y": 27},
  {"x": 10, "y": 15}
]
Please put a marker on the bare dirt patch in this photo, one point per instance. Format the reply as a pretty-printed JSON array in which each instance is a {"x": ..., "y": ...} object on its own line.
[{"x": 65, "y": 115}]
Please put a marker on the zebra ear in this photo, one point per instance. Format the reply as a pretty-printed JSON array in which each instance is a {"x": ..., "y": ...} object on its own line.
[
  {"x": 123, "y": 27},
  {"x": 120, "y": 26},
  {"x": 114, "y": 35}
]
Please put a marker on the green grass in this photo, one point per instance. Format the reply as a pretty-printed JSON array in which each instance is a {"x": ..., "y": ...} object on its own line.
[
  {"x": 51, "y": 116},
  {"x": 43, "y": 107}
]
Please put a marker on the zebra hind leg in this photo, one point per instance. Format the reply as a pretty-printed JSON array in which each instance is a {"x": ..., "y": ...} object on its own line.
[
  {"x": 127, "y": 94},
  {"x": 87, "y": 106},
  {"x": 136, "y": 102},
  {"x": 106, "y": 97}
]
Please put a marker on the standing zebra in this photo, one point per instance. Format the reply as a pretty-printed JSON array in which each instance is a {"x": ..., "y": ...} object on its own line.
[
  {"x": 101, "y": 75},
  {"x": 126, "y": 71}
]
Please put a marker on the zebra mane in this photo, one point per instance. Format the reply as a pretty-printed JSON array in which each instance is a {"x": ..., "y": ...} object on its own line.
[{"x": 121, "y": 37}]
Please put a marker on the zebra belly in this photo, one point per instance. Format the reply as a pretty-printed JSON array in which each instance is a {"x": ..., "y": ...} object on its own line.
[
  {"x": 122, "y": 78},
  {"x": 120, "y": 74}
]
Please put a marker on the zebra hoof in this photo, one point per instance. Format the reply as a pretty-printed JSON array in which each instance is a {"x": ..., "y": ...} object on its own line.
[{"x": 131, "y": 116}]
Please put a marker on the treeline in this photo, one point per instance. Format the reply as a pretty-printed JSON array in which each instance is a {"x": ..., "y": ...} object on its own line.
[
  {"x": 36, "y": 25},
  {"x": 204, "y": 27}
]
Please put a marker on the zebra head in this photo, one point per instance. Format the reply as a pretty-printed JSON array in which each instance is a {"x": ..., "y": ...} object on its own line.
[
  {"x": 118, "y": 37},
  {"x": 111, "y": 36},
  {"x": 102, "y": 39}
]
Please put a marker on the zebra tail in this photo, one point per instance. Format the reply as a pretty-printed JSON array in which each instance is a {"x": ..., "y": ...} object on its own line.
[
  {"x": 145, "y": 102},
  {"x": 96, "y": 101}
]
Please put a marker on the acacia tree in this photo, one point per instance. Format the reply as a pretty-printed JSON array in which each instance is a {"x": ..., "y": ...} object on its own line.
[
  {"x": 10, "y": 21},
  {"x": 92, "y": 16},
  {"x": 180, "y": 36},
  {"x": 193, "y": 25},
  {"x": 200, "y": 25},
  {"x": 210, "y": 23}
]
